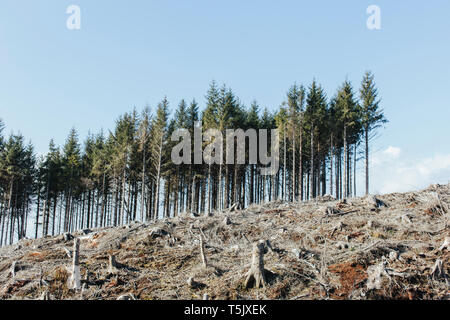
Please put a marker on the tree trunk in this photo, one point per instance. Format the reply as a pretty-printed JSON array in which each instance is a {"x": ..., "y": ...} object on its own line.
[
  {"x": 367, "y": 160},
  {"x": 311, "y": 174},
  {"x": 345, "y": 178}
]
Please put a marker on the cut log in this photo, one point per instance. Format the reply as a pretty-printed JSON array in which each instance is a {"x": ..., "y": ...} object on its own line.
[{"x": 256, "y": 272}]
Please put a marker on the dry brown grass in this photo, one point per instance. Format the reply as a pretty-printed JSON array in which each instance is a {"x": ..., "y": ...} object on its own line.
[{"x": 315, "y": 256}]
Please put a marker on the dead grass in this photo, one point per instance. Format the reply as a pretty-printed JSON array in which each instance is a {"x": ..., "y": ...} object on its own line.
[{"x": 313, "y": 256}]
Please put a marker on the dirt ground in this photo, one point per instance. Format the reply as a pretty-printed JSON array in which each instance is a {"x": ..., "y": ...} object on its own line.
[{"x": 394, "y": 246}]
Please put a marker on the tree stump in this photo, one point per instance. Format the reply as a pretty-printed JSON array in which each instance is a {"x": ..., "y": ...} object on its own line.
[
  {"x": 75, "y": 279},
  {"x": 113, "y": 265},
  {"x": 194, "y": 284},
  {"x": 438, "y": 272},
  {"x": 227, "y": 221},
  {"x": 374, "y": 202},
  {"x": 445, "y": 245},
  {"x": 202, "y": 252},
  {"x": 13, "y": 269},
  {"x": 256, "y": 272}
]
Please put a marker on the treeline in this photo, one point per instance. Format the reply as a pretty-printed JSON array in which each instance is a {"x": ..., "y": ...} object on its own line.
[{"x": 127, "y": 174}]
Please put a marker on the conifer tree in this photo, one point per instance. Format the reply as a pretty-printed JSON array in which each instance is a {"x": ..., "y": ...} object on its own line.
[{"x": 372, "y": 116}]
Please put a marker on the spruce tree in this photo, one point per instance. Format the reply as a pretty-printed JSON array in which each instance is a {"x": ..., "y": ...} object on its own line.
[{"x": 372, "y": 116}]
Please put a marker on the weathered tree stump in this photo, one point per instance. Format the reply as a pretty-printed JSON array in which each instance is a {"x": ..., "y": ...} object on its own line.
[
  {"x": 445, "y": 245},
  {"x": 227, "y": 221},
  {"x": 374, "y": 202},
  {"x": 193, "y": 284},
  {"x": 202, "y": 252},
  {"x": 113, "y": 266},
  {"x": 256, "y": 272},
  {"x": 157, "y": 233},
  {"x": 438, "y": 272},
  {"x": 75, "y": 278},
  {"x": 329, "y": 211},
  {"x": 13, "y": 269},
  {"x": 377, "y": 276}
]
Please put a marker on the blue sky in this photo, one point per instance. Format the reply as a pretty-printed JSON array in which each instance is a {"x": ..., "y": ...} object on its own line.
[{"x": 130, "y": 53}]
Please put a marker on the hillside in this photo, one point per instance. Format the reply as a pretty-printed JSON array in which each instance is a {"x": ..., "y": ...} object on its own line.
[{"x": 394, "y": 246}]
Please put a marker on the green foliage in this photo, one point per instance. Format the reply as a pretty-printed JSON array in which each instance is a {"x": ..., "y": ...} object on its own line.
[{"x": 105, "y": 181}]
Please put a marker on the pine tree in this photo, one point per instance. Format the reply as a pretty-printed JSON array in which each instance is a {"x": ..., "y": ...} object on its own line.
[
  {"x": 159, "y": 139},
  {"x": 316, "y": 106},
  {"x": 372, "y": 115}
]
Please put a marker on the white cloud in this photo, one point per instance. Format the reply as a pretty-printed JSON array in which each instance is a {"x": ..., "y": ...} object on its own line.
[
  {"x": 392, "y": 152},
  {"x": 391, "y": 172}
]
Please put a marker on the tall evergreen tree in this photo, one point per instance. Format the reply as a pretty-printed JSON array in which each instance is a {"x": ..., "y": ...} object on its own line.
[{"x": 372, "y": 116}]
